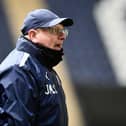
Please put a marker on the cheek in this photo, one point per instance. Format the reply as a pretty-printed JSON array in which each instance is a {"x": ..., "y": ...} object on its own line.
[
  {"x": 42, "y": 38},
  {"x": 46, "y": 40}
]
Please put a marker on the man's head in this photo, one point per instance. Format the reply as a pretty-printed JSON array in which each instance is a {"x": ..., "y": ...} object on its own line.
[{"x": 44, "y": 27}]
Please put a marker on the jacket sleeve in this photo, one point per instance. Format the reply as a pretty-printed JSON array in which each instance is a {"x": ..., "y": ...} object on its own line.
[{"x": 19, "y": 98}]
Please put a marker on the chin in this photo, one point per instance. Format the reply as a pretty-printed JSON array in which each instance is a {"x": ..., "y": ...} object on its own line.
[{"x": 57, "y": 49}]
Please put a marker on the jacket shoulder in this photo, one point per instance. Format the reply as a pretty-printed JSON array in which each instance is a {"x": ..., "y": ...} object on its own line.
[
  {"x": 21, "y": 61},
  {"x": 14, "y": 58}
]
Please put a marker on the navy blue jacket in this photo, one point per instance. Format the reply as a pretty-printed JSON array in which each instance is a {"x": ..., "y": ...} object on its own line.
[{"x": 31, "y": 94}]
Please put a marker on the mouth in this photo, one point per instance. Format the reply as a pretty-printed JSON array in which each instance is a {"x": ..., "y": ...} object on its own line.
[{"x": 58, "y": 46}]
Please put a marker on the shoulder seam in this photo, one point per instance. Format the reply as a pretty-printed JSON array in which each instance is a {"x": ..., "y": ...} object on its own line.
[{"x": 24, "y": 59}]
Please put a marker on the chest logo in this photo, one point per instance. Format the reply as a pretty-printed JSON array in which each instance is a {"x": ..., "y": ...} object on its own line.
[{"x": 51, "y": 89}]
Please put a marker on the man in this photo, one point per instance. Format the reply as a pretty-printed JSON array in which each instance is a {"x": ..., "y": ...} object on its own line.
[{"x": 31, "y": 93}]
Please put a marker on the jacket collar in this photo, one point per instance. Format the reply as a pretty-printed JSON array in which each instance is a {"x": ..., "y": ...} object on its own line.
[
  {"x": 46, "y": 56},
  {"x": 24, "y": 44}
]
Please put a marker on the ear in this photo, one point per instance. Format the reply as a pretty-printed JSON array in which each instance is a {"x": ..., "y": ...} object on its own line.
[{"x": 32, "y": 33}]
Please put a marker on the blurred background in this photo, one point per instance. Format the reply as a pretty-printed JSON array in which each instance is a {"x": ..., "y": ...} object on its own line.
[{"x": 94, "y": 68}]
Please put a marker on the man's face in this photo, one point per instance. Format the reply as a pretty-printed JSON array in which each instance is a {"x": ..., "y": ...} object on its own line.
[{"x": 52, "y": 37}]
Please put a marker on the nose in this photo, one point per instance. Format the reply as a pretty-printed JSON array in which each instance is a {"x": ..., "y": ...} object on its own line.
[{"x": 62, "y": 36}]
